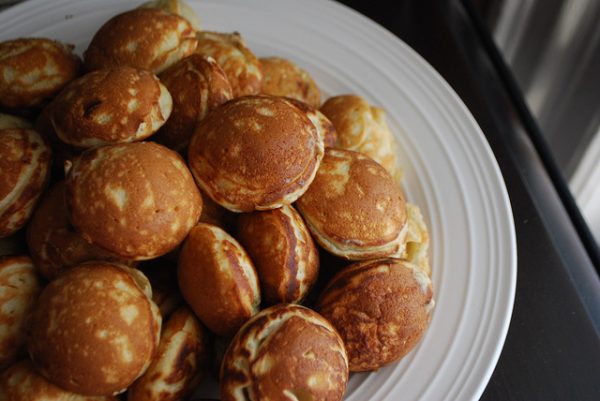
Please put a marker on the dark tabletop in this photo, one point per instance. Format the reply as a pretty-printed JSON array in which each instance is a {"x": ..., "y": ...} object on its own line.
[{"x": 552, "y": 351}]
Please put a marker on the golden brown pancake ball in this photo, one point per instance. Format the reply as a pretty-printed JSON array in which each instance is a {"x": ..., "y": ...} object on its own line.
[
  {"x": 53, "y": 243},
  {"x": 218, "y": 280},
  {"x": 362, "y": 128},
  {"x": 178, "y": 7},
  {"x": 237, "y": 60},
  {"x": 255, "y": 153},
  {"x": 197, "y": 85},
  {"x": 145, "y": 38},
  {"x": 381, "y": 308},
  {"x": 24, "y": 172},
  {"x": 283, "y": 253},
  {"x": 136, "y": 200},
  {"x": 33, "y": 70},
  {"x": 282, "y": 77},
  {"x": 110, "y": 106},
  {"x": 324, "y": 127},
  {"x": 21, "y": 382},
  {"x": 180, "y": 363},
  {"x": 20, "y": 287},
  {"x": 94, "y": 329},
  {"x": 354, "y": 208},
  {"x": 286, "y": 352}
]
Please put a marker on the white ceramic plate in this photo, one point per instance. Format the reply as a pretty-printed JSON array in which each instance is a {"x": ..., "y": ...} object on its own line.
[{"x": 449, "y": 169}]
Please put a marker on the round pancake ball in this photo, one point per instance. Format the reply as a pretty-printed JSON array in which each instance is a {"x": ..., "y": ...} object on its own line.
[
  {"x": 286, "y": 352},
  {"x": 362, "y": 128},
  {"x": 180, "y": 363},
  {"x": 218, "y": 280},
  {"x": 145, "y": 38},
  {"x": 33, "y": 70},
  {"x": 178, "y": 7},
  {"x": 53, "y": 243},
  {"x": 381, "y": 309},
  {"x": 354, "y": 209},
  {"x": 24, "y": 171},
  {"x": 197, "y": 85},
  {"x": 110, "y": 106},
  {"x": 282, "y": 77},
  {"x": 237, "y": 60},
  {"x": 136, "y": 200},
  {"x": 255, "y": 153},
  {"x": 94, "y": 329},
  {"x": 283, "y": 252},
  {"x": 21, "y": 382},
  {"x": 20, "y": 287}
]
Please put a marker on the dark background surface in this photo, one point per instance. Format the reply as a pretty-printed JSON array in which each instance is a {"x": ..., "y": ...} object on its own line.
[{"x": 552, "y": 351}]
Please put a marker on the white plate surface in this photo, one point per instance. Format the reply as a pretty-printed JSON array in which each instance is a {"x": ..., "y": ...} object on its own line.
[{"x": 450, "y": 171}]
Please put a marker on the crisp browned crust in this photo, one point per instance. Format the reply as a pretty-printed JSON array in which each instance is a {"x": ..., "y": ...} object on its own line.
[
  {"x": 24, "y": 172},
  {"x": 285, "y": 352},
  {"x": 21, "y": 382},
  {"x": 94, "y": 329},
  {"x": 178, "y": 7},
  {"x": 324, "y": 127},
  {"x": 197, "y": 85},
  {"x": 19, "y": 288},
  {"x": 136, "y": 200},
  {"x": 283, "y": 252},
  {"x": 239, "y": 63},
  {"x": 145, "y": 38},
  {"x": 255, "y": 153},
  {"x": 354, "y": 208},
  {"x": 282, "y": 77},
  {"x": 362, "y": 128},
  {"x": 381, "y": 309},
  {"x": 110, "y": 106},
  {"x": 180, "y": 362},
  {"x": 53, "y": 243},
  {"x": 32, "y": 70},
  {"x": 217, "y": 279}
]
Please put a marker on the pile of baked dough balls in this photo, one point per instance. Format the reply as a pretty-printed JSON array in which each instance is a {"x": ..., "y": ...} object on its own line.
[{"x": 173, "y": 207}]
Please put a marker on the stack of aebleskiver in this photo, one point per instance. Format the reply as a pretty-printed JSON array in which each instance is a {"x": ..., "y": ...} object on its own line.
[{"x": 176, "y": 191}]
